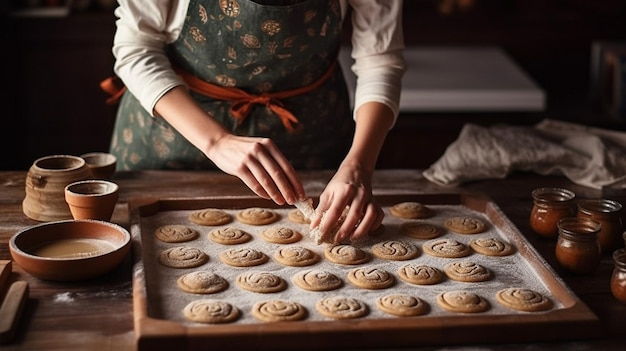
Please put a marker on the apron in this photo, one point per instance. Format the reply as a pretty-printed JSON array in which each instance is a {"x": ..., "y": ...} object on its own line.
[{"x": 259, "y": 47}]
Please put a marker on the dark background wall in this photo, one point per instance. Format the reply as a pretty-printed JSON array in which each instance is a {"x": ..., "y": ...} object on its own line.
[{"x": 51, "y": 69}]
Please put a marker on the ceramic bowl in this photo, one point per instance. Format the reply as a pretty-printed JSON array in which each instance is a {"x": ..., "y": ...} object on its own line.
[
  {"x": 101, "y": 165},
  {"x": 92, "y": 199},
  {"x": 70, "y": 250}
]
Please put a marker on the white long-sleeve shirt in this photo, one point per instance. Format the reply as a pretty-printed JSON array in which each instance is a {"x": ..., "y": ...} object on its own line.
[{"x": 144, "y": 28}]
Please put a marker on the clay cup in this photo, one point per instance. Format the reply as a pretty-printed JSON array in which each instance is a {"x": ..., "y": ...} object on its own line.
[
  {"x": 92, "y": 199},
  {"x": 101, "y": 165}
]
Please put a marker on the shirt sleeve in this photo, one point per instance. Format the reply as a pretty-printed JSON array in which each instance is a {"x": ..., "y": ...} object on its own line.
[
  {"x": 144, "y": 28},
  {"x": 377, "y": 50}
]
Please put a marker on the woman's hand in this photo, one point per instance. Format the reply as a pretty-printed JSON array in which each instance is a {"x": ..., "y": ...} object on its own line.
[
  {"x": 260, "y": 165},
  {"x": 350, "y": 188}
]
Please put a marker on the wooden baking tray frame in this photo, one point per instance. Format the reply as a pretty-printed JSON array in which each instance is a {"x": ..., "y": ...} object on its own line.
[{"x": 575, "y": 319}]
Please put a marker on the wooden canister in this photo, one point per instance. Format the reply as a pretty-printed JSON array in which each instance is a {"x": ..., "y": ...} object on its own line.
[{"x": 45, "y": 186}]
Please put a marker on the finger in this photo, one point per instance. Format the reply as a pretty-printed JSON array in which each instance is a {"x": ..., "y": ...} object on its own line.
[
  {"x": 351, "y": 222},
  {"x": 258, "y": 166},
  {"x": 372, "y": 220},
  {"x": 251, "y": 182},
  {"x": 291, "y": 188}
]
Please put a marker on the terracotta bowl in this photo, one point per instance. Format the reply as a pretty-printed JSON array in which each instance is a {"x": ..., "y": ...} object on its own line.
[
  {"x": 92, "y": 199},
  {"x": 70, "y": 250},
  {"x": 101, "y": 165}
]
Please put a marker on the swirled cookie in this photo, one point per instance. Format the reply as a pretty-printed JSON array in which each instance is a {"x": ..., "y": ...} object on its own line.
[
  {"x": 229, "y": 236},
  {"x": 465, "y": 225},
  {"x": 296, "y": 256},
  {"x": 522, "y": 299},
  {"x": 420, "y": 230},
  {"x": 261, "y": 282},
  {"x": 447, "y": 248},
  {"x": 210, "y": 311},
  {"x": 346, "y": 254},
  {"x": 341, "y": 307},
  {"x": 410, "y": 210},
  {"x": 467, "y": 271},
  {"x": 402, "y": 305},
  {"x": 491, "y": 247},
  {"x": 202, "y": 282},
  {"x": 278, "y": 311},
  {"x": 175, "y": 233},
  {"x": 210, "y": 217},
  {"x": 394, "y": 250},
  {"x": 257, "y": 216},
  {"x": 280, "y": 235},
  {"x": 297, "y": 216},
  {"x": 370, "y": 278},
  {"x": 462, "y": 301},
  {"x": 420, "y": 274},
  {"x": 243, "y": 257},
  {"x": 183, "y": 257},
  {"x": 317, "y": 280}
]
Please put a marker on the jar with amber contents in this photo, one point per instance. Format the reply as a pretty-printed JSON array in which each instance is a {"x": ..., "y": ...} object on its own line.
[
  {"x": 549, "y": 206},
  {"x": 608, "y": 213},
  {"x": 577, "y": 247},
  {"x": 618, "y": 279}
]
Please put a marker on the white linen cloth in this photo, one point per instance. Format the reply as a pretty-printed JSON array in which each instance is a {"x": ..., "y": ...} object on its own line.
[{"x": 588, "y": 156}]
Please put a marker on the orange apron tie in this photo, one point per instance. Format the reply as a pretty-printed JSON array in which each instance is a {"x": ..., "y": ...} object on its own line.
[{"x": 241, "y": 101}]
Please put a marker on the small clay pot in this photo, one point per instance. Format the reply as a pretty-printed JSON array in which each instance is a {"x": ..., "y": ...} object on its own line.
[
  {"x": 45, "y": 183},
  {"x": 92, "y": 199},
  {"x": 101, "y": 164}
]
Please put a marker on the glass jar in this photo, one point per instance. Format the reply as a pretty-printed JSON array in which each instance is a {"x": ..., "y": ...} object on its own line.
[
  {"x": 549, "y": 206},
  {"x": 577, "y": 247},
  {"x": 618, "y": 279},
  {"x": 608, "y": 213}
]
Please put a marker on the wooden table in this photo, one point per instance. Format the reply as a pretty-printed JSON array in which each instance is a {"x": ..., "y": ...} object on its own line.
[{"x": 98, "y": 314}]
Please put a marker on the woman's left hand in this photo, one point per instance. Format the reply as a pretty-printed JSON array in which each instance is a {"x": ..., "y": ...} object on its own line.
[{"x": 350, "y": 189}]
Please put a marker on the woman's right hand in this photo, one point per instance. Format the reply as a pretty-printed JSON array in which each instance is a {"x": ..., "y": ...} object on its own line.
[
  {"x": 256, "y": 161},
  {"x": 260, "y": 165}
]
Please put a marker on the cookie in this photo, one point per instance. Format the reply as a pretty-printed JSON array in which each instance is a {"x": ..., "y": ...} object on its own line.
[
  {"x": 183, "y": 257},
  {"x": 297, "y": 216},
  {"x": 370, "y": 278},
  {"x": 202, "y": 282},
  {"x": 175, "y": 233},
  {"x": 465, "y": 225},
  {"x": 261, "y": 282},
  {"x": 346, "y": 254},
  {"x": 317, "y": 280},
  {"x": 210, "y": 311},
  {"x": 522, "y": 299},
  {"x": 402, "y": 305},
  {"x": 243, "y": 257},
  {"x": 210, "y": 217},
  {"x": 296, "y": 256},
  {"x": 280, "y": 235},
  {"x": 420, "y": 274},
  {"x": 447, "y": 248},
  {"x": 394, "y": 250},
  {"x": 278, "y": 311},
  {"x": 467, "y": 271},
  {"x": 341, "y": 307},
  {"x": 257, "y": 216},
  {"x": 420, "y": 230},
  {"x": 410, "y": 210},
  {"x": 229, "y": 236},
  {"x": 491, "y": 247},
  {"x": 462, "y": 301}
]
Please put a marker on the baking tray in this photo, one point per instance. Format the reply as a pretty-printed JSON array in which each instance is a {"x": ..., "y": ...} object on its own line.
[{"x": 159, "y": 323}]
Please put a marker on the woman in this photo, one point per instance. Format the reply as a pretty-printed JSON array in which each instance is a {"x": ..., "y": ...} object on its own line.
[{"x": 253, "y": 88}]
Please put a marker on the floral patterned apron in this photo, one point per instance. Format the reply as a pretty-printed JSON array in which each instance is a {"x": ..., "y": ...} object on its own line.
[{"x": 259, "y": 47}]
